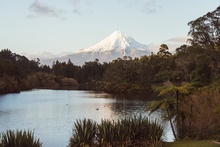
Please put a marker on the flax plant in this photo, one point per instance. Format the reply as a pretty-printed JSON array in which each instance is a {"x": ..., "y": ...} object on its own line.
[
  {"x": 129, "y": 131},
  {"x": 106, "y": 133},
  {"x": 83, "y": 133},
  {"x": 19, "y": 139}
]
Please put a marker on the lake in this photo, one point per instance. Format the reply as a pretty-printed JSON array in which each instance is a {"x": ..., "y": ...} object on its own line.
[{"x": 51, "y": 113}]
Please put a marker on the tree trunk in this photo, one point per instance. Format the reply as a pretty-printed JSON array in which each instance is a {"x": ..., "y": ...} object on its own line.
[
  {"x": 177, "y": 105},
  {"x": 171, "y": 124},
  {"x": 190, "y": 117},
  {"x": 177, "y": 108}
]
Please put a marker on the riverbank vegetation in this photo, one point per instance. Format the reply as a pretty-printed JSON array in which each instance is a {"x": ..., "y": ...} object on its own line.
[
  {"x": 19, "y": 139},
  {"x": 132, "y": 131},
  {"x": 192, "y": 113},
  {"x": 18, "y": 73}
]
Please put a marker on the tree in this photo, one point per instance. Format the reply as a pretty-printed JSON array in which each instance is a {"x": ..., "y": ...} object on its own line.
[
  {"x": 175, "y": 92},
  {"x": 167, "y": 104},
  {"x": 202, "y": 71},
  {"x": 164, "y": 50},
  {"x": 205, "y": 30}
]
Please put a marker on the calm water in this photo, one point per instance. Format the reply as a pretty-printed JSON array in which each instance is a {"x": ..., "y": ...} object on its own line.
[{"x": 51, "y": 113}]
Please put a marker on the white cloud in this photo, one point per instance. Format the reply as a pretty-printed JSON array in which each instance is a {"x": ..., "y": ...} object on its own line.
[
  {"x": 78, "y": 4},
  {"x": 40, "y": 9},
  {"x": 146, "y": 6},
  {"x": 151, "y": 7},
  {"x": 178, "y": 40},
  {"x": 75, "y": 2}
]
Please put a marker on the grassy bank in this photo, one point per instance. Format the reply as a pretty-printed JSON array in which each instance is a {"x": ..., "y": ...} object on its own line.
[{"x": 193, "y": 143}]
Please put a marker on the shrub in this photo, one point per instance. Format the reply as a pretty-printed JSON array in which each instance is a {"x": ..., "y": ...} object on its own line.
[
  {"x": 202, "y": 114},
  {"x": 83, "y": 133},
  {"x": 106, "y": 132},
  {"x": 19, "y": 139},
  {"x": 130, "y": 131}
]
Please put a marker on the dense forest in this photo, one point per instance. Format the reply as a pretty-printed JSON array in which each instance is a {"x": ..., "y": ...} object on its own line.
[{"x": 190, "y": 78}]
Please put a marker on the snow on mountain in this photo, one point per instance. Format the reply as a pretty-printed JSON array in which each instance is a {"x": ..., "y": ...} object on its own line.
[{"x": 117, "y": 45}]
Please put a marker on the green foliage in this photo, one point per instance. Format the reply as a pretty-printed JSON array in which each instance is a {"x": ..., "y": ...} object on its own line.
[
  {"x": 205, "y": 30},
  {"x": 49, "y": 81},
  {"x": 163, "y": 76},
  {"x": 204, "y": 119},
  {"x": 9, "y": 84},
  {"x": 16, "y": 65},
  {"x": 202, "y": 72},
  {"x": 173, "y": 90},
  {"x": 169, "y": 106},
  {"x": 124, "y": 87},
  {"x": 19, "y": 139},
  {"x": 83, "y": 133},
  {"x": 171, "y": 103},
  {"x": 106, "y": 133},
  {"x": 130, "y": 131},
  {"x": 163, "y": 51}
]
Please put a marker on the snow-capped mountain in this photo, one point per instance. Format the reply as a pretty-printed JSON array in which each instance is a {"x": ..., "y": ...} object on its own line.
[{"x": 117, "y": 45}]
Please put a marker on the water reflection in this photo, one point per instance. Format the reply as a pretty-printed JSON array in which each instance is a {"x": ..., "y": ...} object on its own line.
[{"x": 51, "y": 113}]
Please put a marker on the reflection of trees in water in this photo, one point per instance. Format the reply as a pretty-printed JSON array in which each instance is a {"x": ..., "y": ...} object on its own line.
[
  {"x": 117, "y": 106},
  {"x": 128, "y": 107}
]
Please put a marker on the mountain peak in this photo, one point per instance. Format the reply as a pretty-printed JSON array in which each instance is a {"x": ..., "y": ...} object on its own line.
[
  {"x": 118, "y": 35},
  {"x": 120, "y": 43},
  {"x": 116, "y": 45}
]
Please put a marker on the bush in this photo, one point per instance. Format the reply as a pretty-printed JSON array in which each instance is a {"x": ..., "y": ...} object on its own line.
[
  {"x": 202, "y": 114},
  {"x": 83, "y": 133},
  {"x": 130, "y": 131},
  {"x": 106, "y": 132},
  {"x": 19, "y": 139}
]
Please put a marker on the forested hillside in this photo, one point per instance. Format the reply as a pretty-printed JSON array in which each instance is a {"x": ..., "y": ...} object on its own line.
[{"x": 18, "y": 73}]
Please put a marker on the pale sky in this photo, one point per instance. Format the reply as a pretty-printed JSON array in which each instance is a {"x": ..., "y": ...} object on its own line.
[{"x": 37, "y": 26}]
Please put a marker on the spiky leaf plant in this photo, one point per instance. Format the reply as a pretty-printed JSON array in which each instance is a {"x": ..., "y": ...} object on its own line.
[
  {"x": 19, "y": 139},
  {"x": 129, "y": 131},
  {"x": 83, "y": 133},
  {"x": 106, "y": 132}
]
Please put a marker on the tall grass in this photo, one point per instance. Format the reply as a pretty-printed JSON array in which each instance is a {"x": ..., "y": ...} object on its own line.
[
  {"x": 19, "y": 139},
  {"x": 129, "y": 131}
]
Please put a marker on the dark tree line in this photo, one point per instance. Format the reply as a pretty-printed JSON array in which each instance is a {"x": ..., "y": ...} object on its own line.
[
  {"x": 16, "y": 65},
  {"x": 18, "y": 73}
]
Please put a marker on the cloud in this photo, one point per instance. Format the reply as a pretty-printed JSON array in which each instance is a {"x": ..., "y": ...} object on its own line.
[
  {"x": 151, "y": 7},
  {"x": 146, "y": 6},
  {"x": 76, "y": 5},
  {"x": 75, "y": 2},
  {"x": 178, "y": 40},
  {"x": 76, "y": 11},
  {"x": 79, "y": 4},
  {"x": 40, "y": 9}
]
